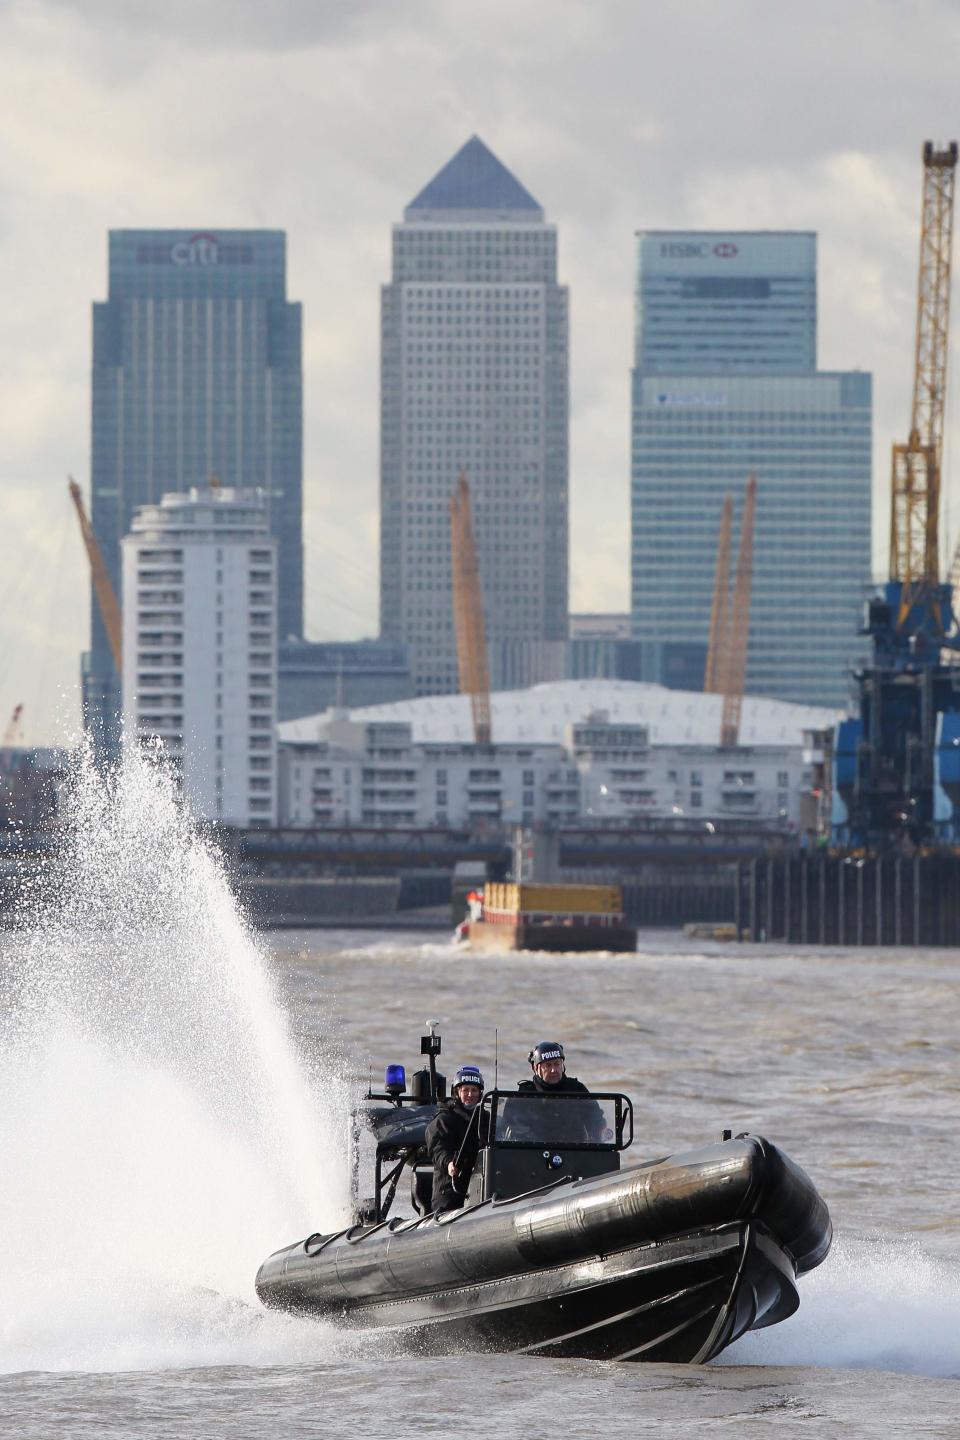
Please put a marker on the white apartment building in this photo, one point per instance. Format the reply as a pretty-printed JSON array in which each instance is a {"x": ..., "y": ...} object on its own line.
[{"x": 200, "y": 647}]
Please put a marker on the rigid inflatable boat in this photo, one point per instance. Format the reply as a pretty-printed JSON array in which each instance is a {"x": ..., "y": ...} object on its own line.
[{"x": 557, "y": 1250}]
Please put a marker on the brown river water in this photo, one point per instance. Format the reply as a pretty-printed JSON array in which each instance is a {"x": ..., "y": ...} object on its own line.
[{"x": 173, "y": 1095}]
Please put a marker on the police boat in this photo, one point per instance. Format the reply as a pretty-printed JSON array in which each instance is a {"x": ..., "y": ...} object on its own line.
[{"x": 558, "y": 1250}]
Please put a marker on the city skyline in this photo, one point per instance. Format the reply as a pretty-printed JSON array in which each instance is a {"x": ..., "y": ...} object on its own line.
[{"x": 617, "y": 123}]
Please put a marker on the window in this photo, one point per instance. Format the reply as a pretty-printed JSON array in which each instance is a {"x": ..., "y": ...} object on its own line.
[
  {"x": 783, "y": 779},
  {"x": 696, "y": 799},
  {"x": 696, "y": 777}
]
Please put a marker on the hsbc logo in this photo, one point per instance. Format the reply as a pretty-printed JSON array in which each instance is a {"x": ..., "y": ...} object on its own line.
[
  {"x": 684, "y": 249},
  {"x": 697, "y": 249}
]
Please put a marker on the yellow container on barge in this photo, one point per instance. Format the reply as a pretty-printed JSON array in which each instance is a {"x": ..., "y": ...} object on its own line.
[
  {"x": 553, "y": 899},
  {"x": 551, "y": 917}
]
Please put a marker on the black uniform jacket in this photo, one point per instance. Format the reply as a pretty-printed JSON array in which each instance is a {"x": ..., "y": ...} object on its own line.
[
  {"x": 445, "y": 1136},
  {"x": 585, "y": 1122},
  {"x": 567, "y": 1086}
]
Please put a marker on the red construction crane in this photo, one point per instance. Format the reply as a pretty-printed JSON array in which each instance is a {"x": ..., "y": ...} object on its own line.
[
  {"x": 472, "y": 663},
  {"x": 13, "y": 735},
  {"x": 726, "y": 666},
  {"x": 102, "y": 585},
  {"x": 719, "y": 610},
  {"x": 738, "y": 630}
]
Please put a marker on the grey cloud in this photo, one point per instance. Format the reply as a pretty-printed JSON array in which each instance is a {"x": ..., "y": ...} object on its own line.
[
  {"x": 326, "y": 120},
  {"x": 231, "y": 24}
]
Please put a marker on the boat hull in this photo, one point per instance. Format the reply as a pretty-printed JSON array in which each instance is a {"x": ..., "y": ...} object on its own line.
[
  {"x": 669, "y": 1262},
  {"x": 522, "y": 935},
  {"x": 681, "y": 1303}
]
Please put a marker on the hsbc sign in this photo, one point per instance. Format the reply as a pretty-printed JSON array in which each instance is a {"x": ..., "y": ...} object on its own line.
[{"x": 697, "y": 249}]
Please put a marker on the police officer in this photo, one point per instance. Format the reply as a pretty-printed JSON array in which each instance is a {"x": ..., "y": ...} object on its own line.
[
  {"x": 548, "y": 1063},
  {"x": 445, "y": 1138},
  {"x": 583, "y": 1121}
]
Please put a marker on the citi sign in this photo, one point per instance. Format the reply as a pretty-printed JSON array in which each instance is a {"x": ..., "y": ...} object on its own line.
[
  {"x": 697, "y": 249},
  {"x": 200, "y": 249}
]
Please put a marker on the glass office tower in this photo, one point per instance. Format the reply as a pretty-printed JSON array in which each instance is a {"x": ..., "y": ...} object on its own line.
[
  {"x": 725, "y": 384},
  {"x": 196, "y": 373},
  {"x": 474, "y": 379}
]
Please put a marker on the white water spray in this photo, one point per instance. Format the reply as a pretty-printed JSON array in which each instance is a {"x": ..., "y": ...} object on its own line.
[
  {"x": 872, "y": 1305},
  {"x": 159, "y": 1133}
]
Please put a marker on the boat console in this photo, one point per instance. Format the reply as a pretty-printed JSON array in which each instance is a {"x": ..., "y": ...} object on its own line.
[
  {"x": 533, "y": 1139},
  {"x": 527, "y": 1140}
]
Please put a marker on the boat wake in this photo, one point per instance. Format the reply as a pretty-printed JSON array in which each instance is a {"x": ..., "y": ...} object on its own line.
[
  {"x": 875, "y": 1304},
  {"x": 160, "y": 1130}
]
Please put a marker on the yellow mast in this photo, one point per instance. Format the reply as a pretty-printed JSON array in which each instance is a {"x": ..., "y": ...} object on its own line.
[{"x": 472, "y": 661}]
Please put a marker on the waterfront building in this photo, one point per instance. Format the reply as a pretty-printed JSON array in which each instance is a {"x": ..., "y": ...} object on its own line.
[
  {"x": 196, "y": 374},
  {"x": 473, "y": 379},
  {"x": 200, "y": 647},
  {"x": 725, "y": 384},
  {"x": 595, "y": 752}
]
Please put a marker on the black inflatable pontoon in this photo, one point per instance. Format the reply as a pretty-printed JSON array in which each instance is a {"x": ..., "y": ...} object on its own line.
[{"x": 557, "y": 1251}]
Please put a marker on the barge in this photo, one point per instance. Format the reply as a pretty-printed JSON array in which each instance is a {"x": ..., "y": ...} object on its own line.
[{"x": 550, "y": 917}]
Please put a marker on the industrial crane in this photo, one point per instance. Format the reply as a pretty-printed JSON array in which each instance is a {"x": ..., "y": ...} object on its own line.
[
  {"x": 726, "y": 666},
  {"x": 102, "y": 585},
  {"x": 719, "y": 609},
  {"x": 472, "y": 661},
  {"x": 13, "y": 735},
  {"x": 903, "y": 748},
  {"x": 922, "y": 601}
]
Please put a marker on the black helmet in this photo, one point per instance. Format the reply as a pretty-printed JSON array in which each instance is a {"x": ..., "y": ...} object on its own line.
[
  {"x": 546, "y": 1050},
  {"x": 467, "y": 1075}
]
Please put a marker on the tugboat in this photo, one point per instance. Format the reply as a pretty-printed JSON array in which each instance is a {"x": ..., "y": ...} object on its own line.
[{"x": 557, "y": 1250}]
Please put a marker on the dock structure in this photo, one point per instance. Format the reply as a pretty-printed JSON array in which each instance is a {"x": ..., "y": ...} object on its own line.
[{"x": 830, "y": 899}]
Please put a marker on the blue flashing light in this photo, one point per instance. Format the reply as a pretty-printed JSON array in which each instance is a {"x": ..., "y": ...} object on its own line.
[{"x": 395, "y": 1080}]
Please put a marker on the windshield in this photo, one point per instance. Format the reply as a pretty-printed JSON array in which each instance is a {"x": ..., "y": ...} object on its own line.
[{"x": 561, "y": 1120}]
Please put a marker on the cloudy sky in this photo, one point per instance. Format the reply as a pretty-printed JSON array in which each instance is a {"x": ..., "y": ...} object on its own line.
[{"x": 325, "y": 117}]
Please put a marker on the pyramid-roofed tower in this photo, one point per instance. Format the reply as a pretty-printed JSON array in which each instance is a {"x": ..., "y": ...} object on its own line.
[
  {"x": 474, "y": 378},
  {"x": 474, "y": 180}
]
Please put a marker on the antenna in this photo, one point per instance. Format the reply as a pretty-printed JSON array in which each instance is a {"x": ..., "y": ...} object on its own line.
[{"x": 430, "y": 1046}]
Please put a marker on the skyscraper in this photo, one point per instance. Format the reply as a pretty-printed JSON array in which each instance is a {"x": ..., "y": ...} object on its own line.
[
  {"x": 724, "y": 384},
  {"x": 196, "y": 373},
  {"x": 474, "y": 379}
]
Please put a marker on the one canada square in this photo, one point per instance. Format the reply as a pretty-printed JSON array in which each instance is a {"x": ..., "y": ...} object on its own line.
[{"x": 474, "y": 379}]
